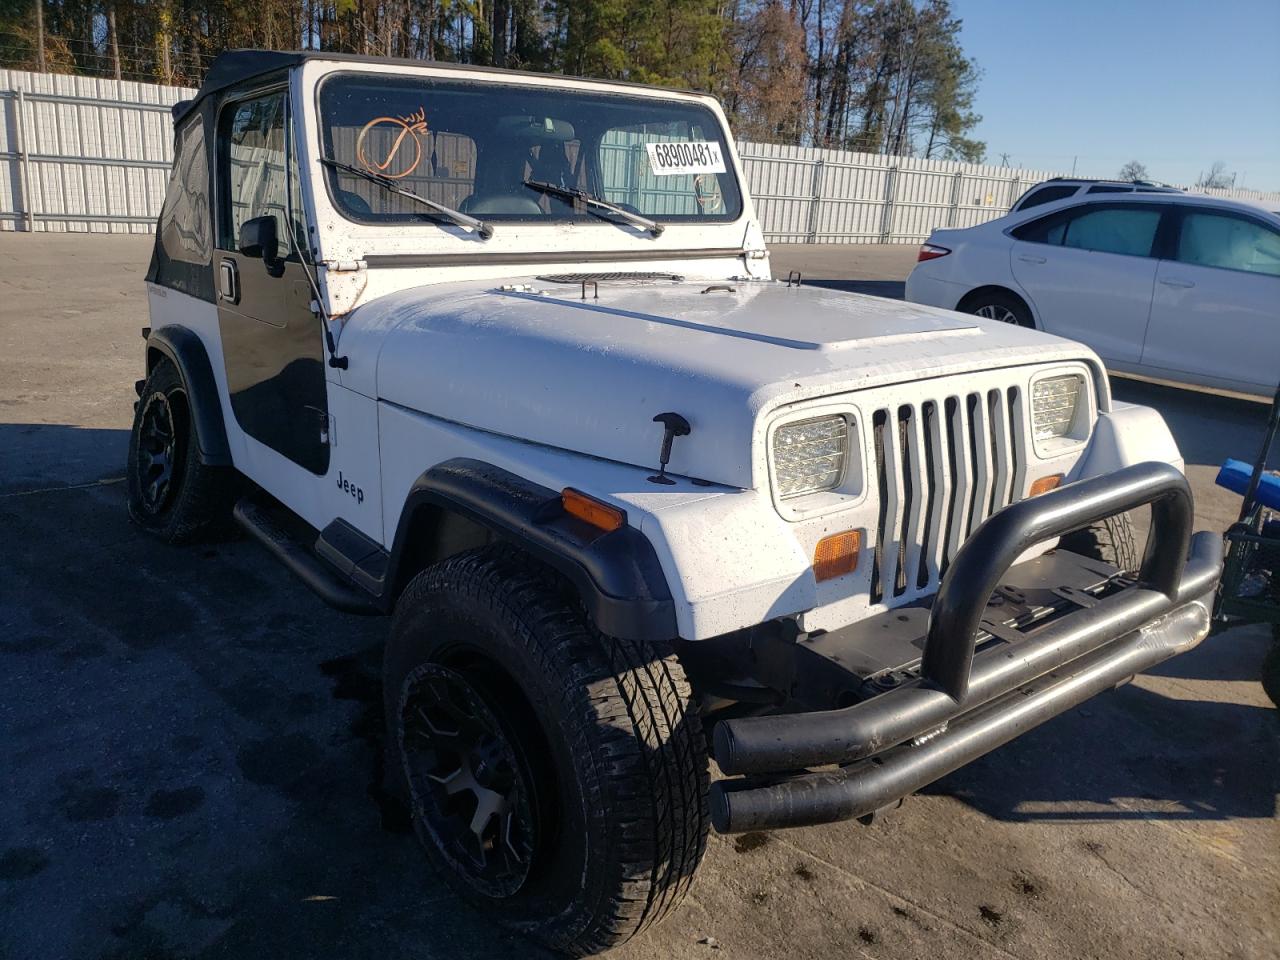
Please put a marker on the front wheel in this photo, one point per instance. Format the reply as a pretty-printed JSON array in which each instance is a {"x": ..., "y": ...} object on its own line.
[
  {"x": 1111, "y": 540},
  {"x": 555, "y": 776},
  {"x": 1271, "y": 669}
]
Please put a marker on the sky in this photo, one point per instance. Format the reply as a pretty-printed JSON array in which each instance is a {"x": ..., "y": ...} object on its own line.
[{"x": 1173, "y": 84}]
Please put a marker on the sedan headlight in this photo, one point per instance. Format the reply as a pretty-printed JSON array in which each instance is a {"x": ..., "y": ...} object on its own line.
[
  {"x": 810, "y": 456},
  {"x": 1054, "y": 403}
]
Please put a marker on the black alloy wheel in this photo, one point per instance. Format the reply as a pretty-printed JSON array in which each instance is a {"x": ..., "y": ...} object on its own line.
[
  {"x": 471, "y": 788},
  {"x": 171, "y": 492},
  {"x": 159, "y": 454}
]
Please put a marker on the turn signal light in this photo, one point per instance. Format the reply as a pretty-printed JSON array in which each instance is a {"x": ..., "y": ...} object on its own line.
[
  {"x": 1045, "y": 484},
  {"x": 590, "y": 510},
  {"x": 836, "y": 555}
]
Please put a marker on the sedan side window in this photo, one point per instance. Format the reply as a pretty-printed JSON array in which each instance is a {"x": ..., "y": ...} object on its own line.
[
  {"x": 1233, "y": 243},
  {"x": 1128, "y": 230}
]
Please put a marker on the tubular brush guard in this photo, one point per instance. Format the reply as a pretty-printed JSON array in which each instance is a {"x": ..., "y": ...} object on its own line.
[{"x": 965, "y": 704}]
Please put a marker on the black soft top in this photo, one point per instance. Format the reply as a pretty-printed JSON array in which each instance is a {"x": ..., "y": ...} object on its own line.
[{"x": 237, "y": 66}]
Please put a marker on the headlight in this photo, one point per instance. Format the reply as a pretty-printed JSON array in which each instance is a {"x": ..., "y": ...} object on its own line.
[
  {"x": 809, "y": 456},
  {"x": 1054, "y": 402}
]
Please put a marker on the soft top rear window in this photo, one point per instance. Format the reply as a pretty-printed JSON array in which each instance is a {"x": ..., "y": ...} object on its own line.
[{"x": 476, "y": 146}]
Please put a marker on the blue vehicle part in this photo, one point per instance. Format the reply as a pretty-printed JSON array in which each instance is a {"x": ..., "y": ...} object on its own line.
[{"x": 1236, "y": 474}]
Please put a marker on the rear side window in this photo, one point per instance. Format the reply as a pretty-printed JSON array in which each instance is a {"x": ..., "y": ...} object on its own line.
[
  {"x": 1047, "y": 195},
  {"x": 1127, "y": 230},
  {"x": 1109, "y": 188},
  {"x": 1232, "y": 243}
]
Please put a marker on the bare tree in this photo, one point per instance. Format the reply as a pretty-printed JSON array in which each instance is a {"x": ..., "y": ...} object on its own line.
[
  {"x": 1133, "y": 171},
  {"x": 1216, "y": 179}
]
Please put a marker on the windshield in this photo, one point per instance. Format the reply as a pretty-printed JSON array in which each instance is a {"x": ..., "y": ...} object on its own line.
[{"x": 472, "y": 146}]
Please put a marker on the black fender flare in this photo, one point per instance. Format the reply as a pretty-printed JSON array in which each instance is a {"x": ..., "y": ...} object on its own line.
[
  {"x": 186, "y": 351},
  {"x": 617, "y": 574}
]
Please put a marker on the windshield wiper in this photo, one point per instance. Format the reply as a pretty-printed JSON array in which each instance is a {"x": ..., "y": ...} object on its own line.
[
  {"x": 387, "y": 183},
  {"x": 591, "y": 201}
]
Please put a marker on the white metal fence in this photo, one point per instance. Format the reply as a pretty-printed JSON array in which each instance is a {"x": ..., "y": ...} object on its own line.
[
  {"x": 87, "y": 154},
  {"x": 80, "y": 153}
]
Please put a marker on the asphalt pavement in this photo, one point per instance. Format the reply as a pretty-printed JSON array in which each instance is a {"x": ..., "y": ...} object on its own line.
[{"x": 190, "y": 741}]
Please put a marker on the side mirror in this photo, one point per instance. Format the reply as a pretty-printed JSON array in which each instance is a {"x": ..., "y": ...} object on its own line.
[{"x": 259, "y": 238}]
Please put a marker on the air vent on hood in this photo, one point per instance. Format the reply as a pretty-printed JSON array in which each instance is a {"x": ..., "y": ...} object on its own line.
[{"x": 611, "y": 277}]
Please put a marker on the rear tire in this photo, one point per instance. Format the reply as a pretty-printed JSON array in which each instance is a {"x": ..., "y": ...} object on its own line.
[
  {"x": 171, "y": 493},
  {"x": 501, "y": 696},
  {"x": 1271, "y": 669},
  {"x": 1111, "y": 540},
  {"x": 999, "y": 305}
]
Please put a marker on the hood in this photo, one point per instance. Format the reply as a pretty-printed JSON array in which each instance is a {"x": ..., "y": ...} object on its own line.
[{"x": 538, "y": 362}]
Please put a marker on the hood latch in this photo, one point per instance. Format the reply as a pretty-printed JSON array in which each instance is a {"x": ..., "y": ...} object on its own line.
[{"x": 674, "y": 426}]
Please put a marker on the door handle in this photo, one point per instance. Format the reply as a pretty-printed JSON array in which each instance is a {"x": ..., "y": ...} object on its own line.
[
  {"x": 1177, "y": 282},
  {"x": 1029, "y": 258},
  {"x": 229, "y": 281}
]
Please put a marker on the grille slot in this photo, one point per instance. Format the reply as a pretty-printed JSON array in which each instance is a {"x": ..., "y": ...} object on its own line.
[{"x": 943, "y": 467}]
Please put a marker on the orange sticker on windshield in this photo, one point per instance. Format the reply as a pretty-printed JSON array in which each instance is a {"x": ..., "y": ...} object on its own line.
[{"x": 389, "y": 146}]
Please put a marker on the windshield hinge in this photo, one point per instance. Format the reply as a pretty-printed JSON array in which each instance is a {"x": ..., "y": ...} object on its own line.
[{"x": 344, "y": 266}]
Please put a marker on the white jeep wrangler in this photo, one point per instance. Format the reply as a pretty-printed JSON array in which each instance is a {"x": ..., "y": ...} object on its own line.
[{"x": 500, "y": 355}]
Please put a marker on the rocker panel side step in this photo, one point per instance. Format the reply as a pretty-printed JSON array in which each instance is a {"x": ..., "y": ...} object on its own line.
[{"x": 330, "y": 586}]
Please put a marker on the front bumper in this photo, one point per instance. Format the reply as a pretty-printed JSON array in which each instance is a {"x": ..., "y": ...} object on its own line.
[{"x": 967, "y": 702}]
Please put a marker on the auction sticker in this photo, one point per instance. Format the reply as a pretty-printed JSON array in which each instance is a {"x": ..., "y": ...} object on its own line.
[{"x": 688, "y": 156}]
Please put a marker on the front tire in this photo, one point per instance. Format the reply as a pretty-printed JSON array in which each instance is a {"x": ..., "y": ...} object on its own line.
[
  {"x": 555, "y": 776},
  {"x": 1271, "y": 668},
  {"x": 1111, "y": 540},
  {"x": 171, "y": 493}
]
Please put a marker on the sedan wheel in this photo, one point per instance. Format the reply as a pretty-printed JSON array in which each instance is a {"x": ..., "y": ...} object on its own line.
[
  {"x": 996, "y": 312},
  {"x": 1001, "y": 306}
]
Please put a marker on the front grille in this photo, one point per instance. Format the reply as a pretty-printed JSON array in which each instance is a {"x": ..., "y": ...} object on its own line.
[{"x": 942, "y": 467}]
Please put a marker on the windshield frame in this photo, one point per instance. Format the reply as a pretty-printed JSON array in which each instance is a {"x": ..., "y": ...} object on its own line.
[{"x": 536, "y": 83}]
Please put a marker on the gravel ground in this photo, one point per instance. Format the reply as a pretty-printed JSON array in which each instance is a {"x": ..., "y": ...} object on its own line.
[{"x": 189, "y": 740}]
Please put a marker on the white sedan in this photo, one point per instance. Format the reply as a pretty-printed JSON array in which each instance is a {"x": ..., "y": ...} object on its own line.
[{"x": 1172, "y": 286}]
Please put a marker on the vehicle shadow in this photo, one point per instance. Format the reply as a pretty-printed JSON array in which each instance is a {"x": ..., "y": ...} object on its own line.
[
  {"x": 194, "y": 724},
  {"x": 39, "y": 455},
  {"x": 890, "y": 289},
  {"x": 1140, "y": 754},
  {"x": 1208, "y": 427}
]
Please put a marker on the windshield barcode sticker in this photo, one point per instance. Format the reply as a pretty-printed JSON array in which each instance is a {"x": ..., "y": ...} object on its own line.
[{"x": 689, "y": 156}]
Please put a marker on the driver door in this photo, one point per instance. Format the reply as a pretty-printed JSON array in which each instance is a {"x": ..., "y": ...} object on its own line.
[{"x": 272, "y": 343}]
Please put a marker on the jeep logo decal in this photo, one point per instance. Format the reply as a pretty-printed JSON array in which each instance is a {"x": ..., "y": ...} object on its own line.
[{"x": 346, "y": 486}]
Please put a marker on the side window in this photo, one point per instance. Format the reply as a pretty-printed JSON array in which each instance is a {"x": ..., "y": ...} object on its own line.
[
  {"x": 1047, "y": 195},
  {"x": 184, "y": 218},
  {"x": 1234, "y": 243},
  {"x": 255, "y": 167},
  {"x": 1129, "y": 230},
  {"x": 1109, "y": 188},
  {"x": 1048, "y": 229}
]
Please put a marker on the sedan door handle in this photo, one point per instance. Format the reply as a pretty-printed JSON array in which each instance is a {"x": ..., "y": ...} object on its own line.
[
  {"x": 1028, "y": 258},
  {"x": 1177, "y": 282}
]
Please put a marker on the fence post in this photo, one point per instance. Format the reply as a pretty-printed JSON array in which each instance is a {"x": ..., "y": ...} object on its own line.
[
  {"x": 816, "y": 201},
  {"x": 1014, "y": 186},
  {"x": 957, "y": 183},
  {"x": 890, "y": 190},
  {"x": 24, "y": 168}
]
